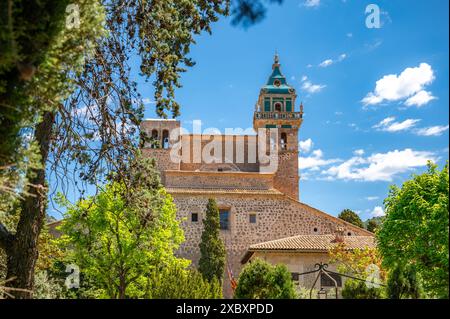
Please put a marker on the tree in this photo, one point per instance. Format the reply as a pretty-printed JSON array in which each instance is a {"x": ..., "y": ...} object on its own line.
[
  {"x": 212, "y": 249},
  {"x": 35, "y": 99},
  {"x": 261, "y": 280},
  {"x": 415, "y": 230},
  {"x": 351, "y": 217},
  {"x": 90, "y": 132},
  {"x": 121, "y": 236},
  {"x": 372, "y": 225},
  {"x": 365, "y": 264},
  {"x": 404, "y": 282}
]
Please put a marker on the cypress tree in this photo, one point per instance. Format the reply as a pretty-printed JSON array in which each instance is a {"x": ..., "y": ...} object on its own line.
[{"x": 212, "y": 248}]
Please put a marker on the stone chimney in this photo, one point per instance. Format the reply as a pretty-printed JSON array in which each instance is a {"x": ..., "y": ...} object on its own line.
[{"x": 339, "y": 235}]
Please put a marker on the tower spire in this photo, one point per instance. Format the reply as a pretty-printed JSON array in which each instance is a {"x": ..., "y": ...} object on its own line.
[{"x": 276, "y": 60}]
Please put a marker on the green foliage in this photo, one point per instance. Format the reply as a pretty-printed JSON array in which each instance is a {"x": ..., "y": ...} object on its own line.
[
  {"x": 416, "y": 229},
  {"x": 212, "y": 248},
  {"x": 404, "y": 282},
  {"x": 355, "y": 289},
  {"x": 351, "y": 217},
  {"x": 179, "y": 283},
  {"x": 372, "y": 225},
  {"x": 122, "y": 235},
  {"x": 46, "y": 287},
  {"x": 261, "y": 280}
]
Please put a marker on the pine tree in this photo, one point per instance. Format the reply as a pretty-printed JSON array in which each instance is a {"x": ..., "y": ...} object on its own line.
[{"x": 212, "y": 248}]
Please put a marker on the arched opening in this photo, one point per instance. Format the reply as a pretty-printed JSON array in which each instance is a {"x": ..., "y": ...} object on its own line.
[
  {"x": 278, "y": 106},
  {"x": 154, "y": 141},
  {"x": 165, "y": 139},
  {"x": 283, "y": 141}
]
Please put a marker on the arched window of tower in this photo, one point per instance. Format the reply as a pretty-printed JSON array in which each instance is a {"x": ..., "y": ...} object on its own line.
[
  {"x": 165, "y": 139},
  {"x": 278, "y": 107},
  {"x": 154, "y": 141},
  {"x": 283, "y": 141}
]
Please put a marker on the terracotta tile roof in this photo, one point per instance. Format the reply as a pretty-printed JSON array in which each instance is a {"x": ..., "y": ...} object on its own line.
[
  {"x": 314, "y": 243},
  {"x": 177, "y": 190},
  {"x": 309, "y": 243}
]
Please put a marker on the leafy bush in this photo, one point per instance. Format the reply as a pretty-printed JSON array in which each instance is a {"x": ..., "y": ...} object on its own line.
[
  {"x": 261, "y": 280},
  {"x": 47, "y": 287},
  {"x": 355, "y": 289},
  {"x": 178, "y": 283}
]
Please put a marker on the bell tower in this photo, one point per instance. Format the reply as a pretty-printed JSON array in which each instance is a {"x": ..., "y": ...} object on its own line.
[{"x": 275, "y": 110}]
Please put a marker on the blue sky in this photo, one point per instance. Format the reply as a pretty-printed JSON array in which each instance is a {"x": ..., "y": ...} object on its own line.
[
  {"x": 358, "y": 136},
  {"x": 350, "y": 155}
]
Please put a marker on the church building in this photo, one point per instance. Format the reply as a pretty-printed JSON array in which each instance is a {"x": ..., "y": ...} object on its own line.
[{"x": 255, "y": 181}]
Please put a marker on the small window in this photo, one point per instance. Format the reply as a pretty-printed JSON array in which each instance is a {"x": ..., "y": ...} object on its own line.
[
  {"x": 315, "y": 229},
  {"x": 326, "y": 281},
  {"x": 220, "y": 169},
  {"x": 194, "y": 217},
  {"x": 252, "y": 218},
  {"x": 224, "y": 219},
  {"x": 349, "y": 234}
]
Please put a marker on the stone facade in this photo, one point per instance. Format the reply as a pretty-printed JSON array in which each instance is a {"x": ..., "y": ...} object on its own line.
[{"x": 262, "y": 203}]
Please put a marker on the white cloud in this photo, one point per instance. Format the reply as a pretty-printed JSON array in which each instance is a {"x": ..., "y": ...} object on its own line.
[
  {"x": 432, "y": 130},
  {"x": 370, "y": 198},
  {"x": 349, "y": 35},
  {"x": 408, "y": 85},
  {"x": 326, "y": 63},
  {"x": 309, "y": 87},
  {"x": 420, "y": 98},
  {"x": 378, "y": 211},
  {"x": 306, "y": 145},
  {"x": 342, "y": 57},
  {"x": 148, "y": 101},
  {"x": 359, "y": 152},
  {"x": 315, "y": 161},
  {"x": 389, "y": 125},
  {"x": 380, "y": 166},
  {"x": 311, "y": 3}
]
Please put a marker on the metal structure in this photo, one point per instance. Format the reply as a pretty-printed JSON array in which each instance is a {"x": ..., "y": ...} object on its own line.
[{"x": 321, "y": 268}]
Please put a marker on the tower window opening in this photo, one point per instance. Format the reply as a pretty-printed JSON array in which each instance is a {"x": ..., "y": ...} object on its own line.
[
  {"x": 165, "y": 138},
  {"x": 155, "y": 142},
  {"x": 278, "y": 106},
  {"x": 283, "y": 141}
]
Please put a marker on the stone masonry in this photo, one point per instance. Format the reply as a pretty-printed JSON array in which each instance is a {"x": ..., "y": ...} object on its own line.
[{"x": 261, "y": 204}]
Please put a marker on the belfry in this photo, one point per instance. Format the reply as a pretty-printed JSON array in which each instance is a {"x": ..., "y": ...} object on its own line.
[{"x": 258, "y": 207}]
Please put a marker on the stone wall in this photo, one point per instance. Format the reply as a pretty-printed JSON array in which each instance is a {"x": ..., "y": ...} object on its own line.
[
  {"x": 230, "y": 149},
  {"x": 230, "y": 180},
  {"x": 277, "y": 217}
]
